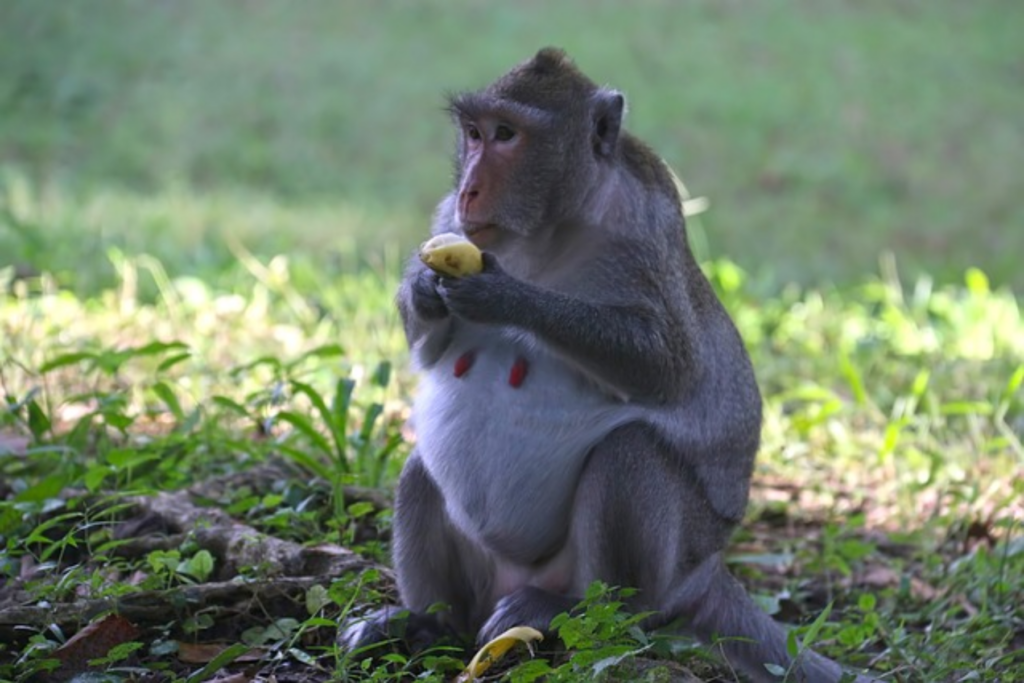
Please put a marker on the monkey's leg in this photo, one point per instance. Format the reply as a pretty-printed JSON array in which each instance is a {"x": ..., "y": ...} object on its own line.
[
  {"x": 435, "y": 564},
  {"x": 720, "y": 611},
  {"x": 642, "y": 520},
  {"x": 638, "y": 520}
]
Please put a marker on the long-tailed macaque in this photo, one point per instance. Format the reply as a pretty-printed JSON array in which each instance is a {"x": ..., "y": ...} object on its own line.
[{"x": 587, "y": 409}]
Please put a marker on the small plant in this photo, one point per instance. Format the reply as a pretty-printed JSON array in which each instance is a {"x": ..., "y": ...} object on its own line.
[
  {"x": 601, "y": 636},
  {"x": 352, "y": 439},
  {"x": 169, "y": 568}
]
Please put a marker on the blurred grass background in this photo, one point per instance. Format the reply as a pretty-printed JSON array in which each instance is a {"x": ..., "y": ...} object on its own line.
[{"x": 825, "y": 133}]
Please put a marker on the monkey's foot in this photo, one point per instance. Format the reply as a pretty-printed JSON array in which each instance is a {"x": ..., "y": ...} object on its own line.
[
  {"x": 527, "y": 606},
  {"x": 407, "y": 631}
]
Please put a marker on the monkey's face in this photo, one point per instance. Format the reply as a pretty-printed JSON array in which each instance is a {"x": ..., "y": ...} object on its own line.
[
  {"x": 529, "y": 148},
  {"x": 508, "y": 169}
]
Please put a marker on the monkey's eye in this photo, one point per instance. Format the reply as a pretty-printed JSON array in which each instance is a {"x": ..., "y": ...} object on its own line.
[
  {"x": 473, "y": 133},
  {"x": 503, "y": 133}
]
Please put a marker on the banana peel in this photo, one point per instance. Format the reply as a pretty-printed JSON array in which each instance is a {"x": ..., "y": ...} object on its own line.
[
  {"x": 496, "y": 649},
  {"x": 452, "y": 255}
]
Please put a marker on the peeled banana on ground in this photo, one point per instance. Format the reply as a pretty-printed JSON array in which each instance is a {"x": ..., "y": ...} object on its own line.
[
  {"x": 452, "y": 255},
  {"x": 496, "y": 649}
]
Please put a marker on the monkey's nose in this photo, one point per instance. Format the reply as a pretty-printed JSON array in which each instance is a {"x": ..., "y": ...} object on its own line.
[{"x": 466, "y": 198}]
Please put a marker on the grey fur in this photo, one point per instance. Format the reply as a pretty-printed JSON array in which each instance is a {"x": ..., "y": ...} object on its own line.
[{"x": 626, "y": 453}]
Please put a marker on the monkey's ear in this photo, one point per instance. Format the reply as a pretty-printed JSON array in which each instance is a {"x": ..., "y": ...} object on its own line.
[{"x": 607, "y": 109}]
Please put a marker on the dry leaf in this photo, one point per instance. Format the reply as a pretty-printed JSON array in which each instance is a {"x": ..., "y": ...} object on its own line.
[{"x": 94, "y": 641}]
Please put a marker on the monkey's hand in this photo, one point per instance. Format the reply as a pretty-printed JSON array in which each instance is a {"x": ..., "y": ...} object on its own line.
[
  {"x": 426, "y": 299},
  {"x": 487, "y": 297}
]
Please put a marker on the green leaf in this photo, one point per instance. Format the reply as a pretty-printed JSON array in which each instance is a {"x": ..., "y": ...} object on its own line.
[
  {"x": 273, "y": 361},
  {"x": 124, "y": 458},
  {"x": 229, "y": 655},
  {"x": 306, "y": 428},
  {"x": 118, "y": 653},
  {"x": 173, "y": 360},
  {"x": 335, "y": 425},
  {"x": 158, "y": 347},
  {"x": 853, "y": 379},
  {"x": 10, "y": 518},
  {"x": 1014, "y": 383},
  {"x": 48, "y": 487},
  {"x": 976, "y": 281},
  {"x": 200, "y": 566},
  {"x": 302, "y": 656},
  {"x": 304, "y": 459},
  {"x": 325, "y": 351},
  {"x": 340, "y": 407},
  {"x": 95, "y": 476},
  {"x": 65, "y": 360},
  {"x": 243, "y": 505},
  {"x": 792, "y": 645},
  {"x": 118, "y": 420},
  {"x": 279, "y": 630},
  {"x": 382, "y": 375},
  {"x": 163, "y": 561},
  {"x": 15, "y": 406},
  {"x": 110, "y": 362},
  {"x": 729, "y": 276},
  {"x": 920, "y": 383},
  {"x": 383, "y": 455},
  {"x": 166, "y": 394},
  {"x": 967, "y": 408},
  {"x": 811, "y": 634},
  {"x": 231, "y": 405},
  {"x": 317, "y": 598},
  {"x": 38, "y": 421},
  {"x": 357, "y": 510},
  {"x": 891, "y": 438},
  {"x": 38, "y": 534},
  {"x": 369, "y": 420},
  {"x": 530, "y": 671},
  {"x": 613, "y": 656},
  {"x": 854, "y": 549}
]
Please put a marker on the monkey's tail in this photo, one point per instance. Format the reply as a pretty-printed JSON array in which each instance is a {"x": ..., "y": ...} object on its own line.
[{"x": 725, "y": 615}]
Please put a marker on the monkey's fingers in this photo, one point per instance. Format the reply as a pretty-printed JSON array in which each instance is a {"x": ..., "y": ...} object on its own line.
[
  {"x": 496, "y": 649},
  {"x": 452, "y": 255}
]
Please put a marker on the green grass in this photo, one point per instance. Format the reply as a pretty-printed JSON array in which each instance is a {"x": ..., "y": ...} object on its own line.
[
  {"x": 824, "y": 133},
  {"x": 889, "y": 483}
]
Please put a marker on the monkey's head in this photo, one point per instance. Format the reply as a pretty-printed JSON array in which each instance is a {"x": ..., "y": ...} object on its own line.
[{"x": 530, "y": 146}]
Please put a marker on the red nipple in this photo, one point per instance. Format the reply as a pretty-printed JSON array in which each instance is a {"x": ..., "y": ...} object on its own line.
[
  {"x": 518, "y": 373},
  {"x": 464, "y": 363}
]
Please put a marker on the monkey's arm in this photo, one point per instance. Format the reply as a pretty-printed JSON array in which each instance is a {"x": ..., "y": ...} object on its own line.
[
  {"x": 428, "y": 325},
  {"x": 629, "y": 346}
]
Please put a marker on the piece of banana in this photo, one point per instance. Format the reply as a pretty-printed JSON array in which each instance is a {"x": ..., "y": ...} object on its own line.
[
  {"x": 495, "y": 649},
  {"x": 451, "y": 254}
]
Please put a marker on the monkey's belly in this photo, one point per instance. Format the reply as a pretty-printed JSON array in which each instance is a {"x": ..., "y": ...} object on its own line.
[{"x": 506, "y": 439}]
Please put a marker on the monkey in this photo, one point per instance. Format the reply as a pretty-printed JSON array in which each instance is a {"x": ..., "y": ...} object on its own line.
[{"x": 586, "y": 408}]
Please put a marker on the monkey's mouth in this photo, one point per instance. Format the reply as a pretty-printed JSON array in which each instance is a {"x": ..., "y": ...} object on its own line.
[{"x": 481, "y": 234}]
